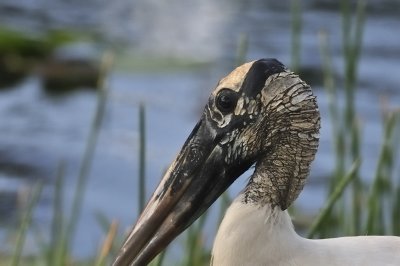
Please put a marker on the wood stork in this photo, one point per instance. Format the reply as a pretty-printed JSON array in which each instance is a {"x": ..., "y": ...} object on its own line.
[{"x": 264, "y": 115}]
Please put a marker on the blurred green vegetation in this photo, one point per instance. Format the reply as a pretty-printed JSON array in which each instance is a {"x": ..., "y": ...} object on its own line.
[
  {"x": 23, "y": 44},
  {"x": 353, "y": 206},
  {"x": 139, "y": 63},
  {"x": 22, "y": 53}
]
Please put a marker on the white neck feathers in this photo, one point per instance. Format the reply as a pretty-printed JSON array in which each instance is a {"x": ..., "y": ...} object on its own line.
[
  {"x": 248, "y": 229},
  {"x": 253, "y": 235}
]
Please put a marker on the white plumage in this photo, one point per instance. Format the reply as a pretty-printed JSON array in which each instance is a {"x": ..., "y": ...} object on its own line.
[{"x": 253, "y": 235}]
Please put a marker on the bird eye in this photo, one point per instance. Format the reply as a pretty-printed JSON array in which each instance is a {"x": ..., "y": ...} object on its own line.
[{"x": 226, "y": 101}]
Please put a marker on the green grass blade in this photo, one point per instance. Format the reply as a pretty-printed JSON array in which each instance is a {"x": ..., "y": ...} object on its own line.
[
  {"x": 241, "y": 51},
  {"x": 396, "y": 213},
  {"x": 379, "y": 186},
  {"x": 88, "y": 155},
  {"x": 57, "y": 224},
  {"x": 196, "y": 253},
  {"x": 295, "y": 10},
  {"x": 333, "y": 199},
  {"x": 142, "y": 157},
  {"x": 27, "y": 218}
]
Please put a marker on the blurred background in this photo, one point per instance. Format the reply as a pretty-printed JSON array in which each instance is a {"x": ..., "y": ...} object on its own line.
[{"x": 167, "y": 57}]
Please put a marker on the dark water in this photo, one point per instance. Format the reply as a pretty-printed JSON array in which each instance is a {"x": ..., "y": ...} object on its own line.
[{"x": 38, "y": 130}]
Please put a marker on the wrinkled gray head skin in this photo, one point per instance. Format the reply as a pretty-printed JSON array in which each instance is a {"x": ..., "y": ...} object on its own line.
[
  {"x": 275, "y": 124},
  {"x": 260, "y": 114}
]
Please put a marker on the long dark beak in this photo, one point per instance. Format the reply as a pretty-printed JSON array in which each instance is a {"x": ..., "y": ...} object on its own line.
[{"x": 195, "y": 179}]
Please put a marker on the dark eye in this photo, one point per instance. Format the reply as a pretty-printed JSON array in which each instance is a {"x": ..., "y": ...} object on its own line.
[{"x": 226, "y": 100}]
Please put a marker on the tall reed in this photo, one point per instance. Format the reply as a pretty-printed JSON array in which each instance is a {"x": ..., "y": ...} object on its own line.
[
  {"x": 54, "y": 250},
  {"x": 26, "y": 220},
  {"x": 87, "y": 159},
  {"x": 142, "y": 157}
]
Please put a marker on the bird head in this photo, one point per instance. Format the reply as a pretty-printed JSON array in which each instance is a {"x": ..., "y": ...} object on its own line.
[{"x": 260, "y": 114}]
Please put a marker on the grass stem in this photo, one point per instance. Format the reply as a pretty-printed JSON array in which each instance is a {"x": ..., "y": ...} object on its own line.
[
  {"x": 142, "y": 157},
  {"x": 88, "y": 154},
  {"x": 334, "y": 196},
  {"x": 26, "y": 221}
]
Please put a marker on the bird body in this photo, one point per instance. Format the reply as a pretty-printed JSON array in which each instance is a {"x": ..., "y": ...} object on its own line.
[
  {"x": 251, "y": 235},
  {"x": 261, "y": 114}
]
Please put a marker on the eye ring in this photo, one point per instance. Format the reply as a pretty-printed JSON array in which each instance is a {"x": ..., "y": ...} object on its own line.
[{"x": 226, "y": 100}]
